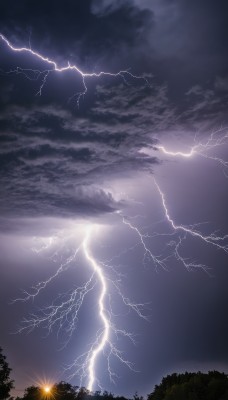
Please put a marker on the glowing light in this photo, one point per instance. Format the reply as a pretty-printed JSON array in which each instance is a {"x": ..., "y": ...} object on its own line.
[
  {"x": 47, "y": 389},
  {"x": 54, "y": 67}
]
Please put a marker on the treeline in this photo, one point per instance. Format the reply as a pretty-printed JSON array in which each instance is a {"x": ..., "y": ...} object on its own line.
[
  {"x": 66, "y": 391},
  {"x": 187, "y": 386},
  {"x": 192, "y": 386}
]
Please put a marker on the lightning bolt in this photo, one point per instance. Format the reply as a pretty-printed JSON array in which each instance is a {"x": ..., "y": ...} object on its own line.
[
  {"x": 216, "y": 139},
  {"x": 63, "y": 313},
  {"x": 54, "y": 67},
  {"x": 211, "y": 239},
  {"x": 105, "y": 321},
  {"x": 178, "y": 153}
]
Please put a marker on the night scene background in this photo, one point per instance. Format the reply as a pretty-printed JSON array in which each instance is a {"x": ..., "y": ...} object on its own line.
[{"x": 70, "y": 163}]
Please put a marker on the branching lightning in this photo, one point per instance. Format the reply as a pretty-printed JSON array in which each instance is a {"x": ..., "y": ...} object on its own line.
[
  {"x": 43, "y": 284},
  {"x": 215, "y": 140},
  {"x": 54, "y": 67},
  {"x": 63, "y": 314},
  {"x": 177, "y": 237},
  {"x": 219, "y": 242},
  {"x": 158, "y": 260},
  {"x": 202, "y": 148},
  {"x": 212, "y": 239},
  {"x": 171, "y": 249}
]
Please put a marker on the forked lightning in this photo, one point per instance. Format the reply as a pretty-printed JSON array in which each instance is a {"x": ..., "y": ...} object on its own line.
[
  {"x": 63, "y": 314},
  {"x": 54, "y": 67}
]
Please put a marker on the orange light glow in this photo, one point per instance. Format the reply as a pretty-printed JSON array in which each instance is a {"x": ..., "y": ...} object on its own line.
[{"x": 47, "y": 389}]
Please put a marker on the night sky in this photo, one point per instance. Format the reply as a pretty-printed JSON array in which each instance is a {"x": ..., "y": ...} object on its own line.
[{"x": 74, "y": 163}]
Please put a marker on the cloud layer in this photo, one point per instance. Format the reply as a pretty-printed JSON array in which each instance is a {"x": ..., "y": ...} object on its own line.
[{"x": 57, "y": 159}]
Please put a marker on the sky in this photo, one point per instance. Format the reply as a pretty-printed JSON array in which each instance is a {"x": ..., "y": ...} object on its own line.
[{"x": 106, "y": 239}]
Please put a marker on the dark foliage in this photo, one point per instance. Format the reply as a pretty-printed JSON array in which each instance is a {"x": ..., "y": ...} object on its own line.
[
  {"x": 192, "y": 386},
  {"x": 65, "y": 391},
  {"x": 6, "y": 384}
]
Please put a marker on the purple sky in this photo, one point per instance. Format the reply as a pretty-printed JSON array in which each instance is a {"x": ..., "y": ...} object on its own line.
[{"x": 64, "y": 168}]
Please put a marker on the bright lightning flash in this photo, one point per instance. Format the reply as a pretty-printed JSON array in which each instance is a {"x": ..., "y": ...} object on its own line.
[
  {"x": 177, "y": 153},
  {"x": 54, "y": 67},
  {"x": 63, "y": 313},
  {"x": 105, "y": 321}
]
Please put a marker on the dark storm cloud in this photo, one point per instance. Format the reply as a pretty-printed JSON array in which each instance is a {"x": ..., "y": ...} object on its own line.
[
  {"x": 186, "y": 41},
  {"x": 57, "y": 161},
  {"x": 71, "y": 31},
  {"x": 54, "y": 163},
  {"x": 207, "y": 106},
  {"x": 50, "y": 150},
  {"x": 180, "y": 42}
]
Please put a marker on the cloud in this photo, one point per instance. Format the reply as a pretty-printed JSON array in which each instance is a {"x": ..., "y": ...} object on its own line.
[
  {"x": 183, "y": 42},
  {"x": 51, "y": 153},
  {"x": 56, "y": 164},
  {"x": 57, "y": 161}
]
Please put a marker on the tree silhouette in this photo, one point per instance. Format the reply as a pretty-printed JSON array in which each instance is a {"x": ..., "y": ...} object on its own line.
[
  {"x": 192, "y": 386},
  {"x": 6, "y": 384},
  {"x": 32, "y": 393},
  {"x": 66, "y": 391},
  {"x": 59, "y": 391}
]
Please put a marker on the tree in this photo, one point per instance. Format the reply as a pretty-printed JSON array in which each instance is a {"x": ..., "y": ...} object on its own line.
[
  {"x": 192, "y": 386},
  {"x": 59, "y": 391},
  {"x": 32, "y": 393},
  {"x": 64, "y": 390},
  {"x": 137, "y": 397},
  {"x": 6, "y": 384}
]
